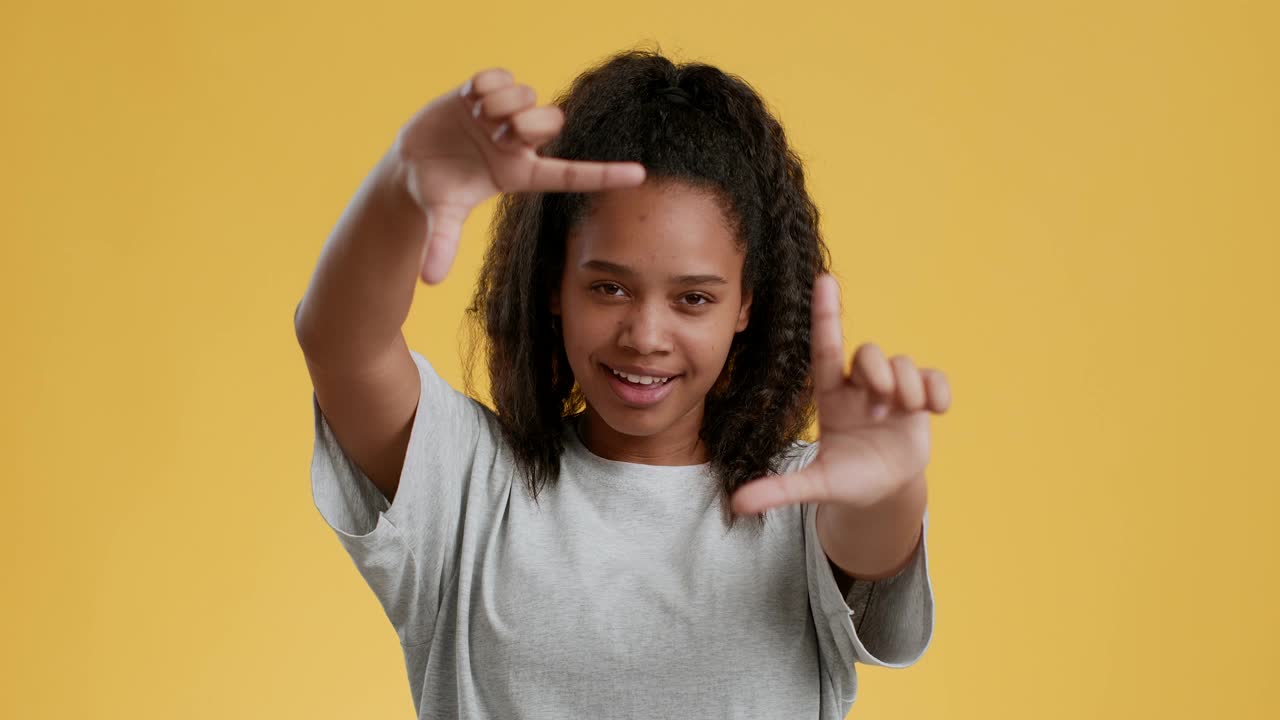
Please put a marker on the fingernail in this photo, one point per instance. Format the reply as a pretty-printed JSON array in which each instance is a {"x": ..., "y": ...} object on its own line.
[{"x": 879, "y": 411}]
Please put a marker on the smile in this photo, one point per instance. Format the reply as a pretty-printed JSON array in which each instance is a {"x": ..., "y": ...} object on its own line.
[
  {"x": 639, "y": 390},
  {"x": 640, "y": 379}
]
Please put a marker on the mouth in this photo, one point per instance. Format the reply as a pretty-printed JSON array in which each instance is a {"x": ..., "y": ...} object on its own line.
[{"x": 637, "y": 390}]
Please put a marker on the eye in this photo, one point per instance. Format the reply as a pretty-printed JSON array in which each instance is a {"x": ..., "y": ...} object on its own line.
[
  {"x": 694, "y": 299},
  {"x": 607, "y": 289}
]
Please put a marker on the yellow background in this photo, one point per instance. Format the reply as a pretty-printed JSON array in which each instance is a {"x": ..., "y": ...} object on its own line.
[{"x": 1070, "y": 208}]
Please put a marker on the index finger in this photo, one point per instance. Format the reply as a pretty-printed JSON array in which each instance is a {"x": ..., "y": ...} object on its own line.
[
  {"x": 559, "y": 175},
  {"x": 826, "y": 341}
]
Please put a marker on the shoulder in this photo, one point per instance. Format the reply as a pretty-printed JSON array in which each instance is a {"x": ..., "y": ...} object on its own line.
[{"x": 796, "y": 455}]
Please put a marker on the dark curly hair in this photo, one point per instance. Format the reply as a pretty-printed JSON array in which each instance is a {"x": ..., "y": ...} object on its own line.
[{"x": 689, "y": 123}]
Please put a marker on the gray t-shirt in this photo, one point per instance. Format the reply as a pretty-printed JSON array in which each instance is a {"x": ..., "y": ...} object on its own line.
[{"x": 623, "y": 593}]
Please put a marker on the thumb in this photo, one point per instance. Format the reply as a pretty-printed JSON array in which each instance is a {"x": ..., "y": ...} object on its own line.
[
  {"x": 444, "y": 228},
  {"x": 805, "y": 486}
]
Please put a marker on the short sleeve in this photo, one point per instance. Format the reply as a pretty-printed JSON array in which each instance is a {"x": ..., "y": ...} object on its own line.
[
  {"x": 887, "y": 623},
  {"x": 405, "y": 550}
]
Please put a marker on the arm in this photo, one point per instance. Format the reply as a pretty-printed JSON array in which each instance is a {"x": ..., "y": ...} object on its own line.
[
  {"x": 404, "y": 222},
  {"x": 348, "y": 325},
  {"x": 877, "y": 541},
  {"x": 363, "y": 285}
]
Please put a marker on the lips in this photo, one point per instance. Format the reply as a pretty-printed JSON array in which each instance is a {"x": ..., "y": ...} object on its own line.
[
  {"x": 639, "y": 396},
  {"x": 642, "y": 371}
]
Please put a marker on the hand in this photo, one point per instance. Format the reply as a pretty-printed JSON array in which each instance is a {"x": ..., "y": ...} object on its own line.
[
  {"x": 481, "y": 139},
  {"x": 873, "y": 424}
]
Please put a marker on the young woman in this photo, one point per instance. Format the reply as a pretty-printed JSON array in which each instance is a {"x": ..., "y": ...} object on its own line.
[{"x": 636, "y": 529}]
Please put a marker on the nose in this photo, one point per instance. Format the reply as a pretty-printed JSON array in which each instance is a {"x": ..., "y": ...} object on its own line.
[{"x": 644, "y": 329}]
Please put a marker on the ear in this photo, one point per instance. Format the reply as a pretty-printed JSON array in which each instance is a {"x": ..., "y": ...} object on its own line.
[{"x": 744, "y": 314}]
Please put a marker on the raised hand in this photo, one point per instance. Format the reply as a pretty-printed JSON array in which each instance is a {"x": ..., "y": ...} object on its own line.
[
  {"x": 873, "y": 423},
  {"x": 481, "y": 139}
]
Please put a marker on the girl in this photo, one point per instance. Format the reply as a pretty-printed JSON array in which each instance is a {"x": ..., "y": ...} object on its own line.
[{"x": 659, "y": 328}]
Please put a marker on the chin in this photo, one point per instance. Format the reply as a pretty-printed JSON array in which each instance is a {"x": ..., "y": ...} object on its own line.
[
  {"x": 633, "y": 422},
  {"x": 637, "y": 422}
]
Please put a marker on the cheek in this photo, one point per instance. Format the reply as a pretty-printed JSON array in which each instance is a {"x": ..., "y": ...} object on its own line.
[
  {"x": 703, "y": 346},
  {"x": 704, "y": 349},
  {"x": 584, "y": 333},
  {"x": 711, "y": 357}
]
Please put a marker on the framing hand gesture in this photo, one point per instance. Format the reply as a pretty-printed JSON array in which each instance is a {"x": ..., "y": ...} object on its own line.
[
  {"x": 873, "y": 424},
  {"x": 481, "y": 139}
]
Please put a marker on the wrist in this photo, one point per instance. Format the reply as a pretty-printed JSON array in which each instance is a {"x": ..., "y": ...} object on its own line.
[
  {"x": 877, "y": 541},
  {"x": 393, "y": 188}
]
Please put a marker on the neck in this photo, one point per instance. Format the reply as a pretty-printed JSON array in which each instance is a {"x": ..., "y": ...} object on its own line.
[{"x": 678, "y": 444}]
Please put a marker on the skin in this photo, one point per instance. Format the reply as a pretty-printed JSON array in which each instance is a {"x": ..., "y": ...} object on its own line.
[
  {"x": 873, "y": 418},
  {"x": 868, "y": 478},
  {"x": 642, "y": 313},
  {"x": 482, "y": 138}
]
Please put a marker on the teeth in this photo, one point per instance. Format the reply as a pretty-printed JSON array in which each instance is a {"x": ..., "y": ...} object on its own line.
[{"x": 640, "y": 379}]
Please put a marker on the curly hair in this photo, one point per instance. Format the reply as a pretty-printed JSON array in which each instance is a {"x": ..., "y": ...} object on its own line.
[{"x": 689, "y": 123}]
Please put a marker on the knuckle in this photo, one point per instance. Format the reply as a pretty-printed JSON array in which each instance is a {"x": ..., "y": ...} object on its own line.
[
  {"x": 491, "y": 108},
  {"x": 504, "y": 182},
  {"x": 490, "y": 79},
  {"x": 826, "y": 353},
  {"x": 902, "y": 362}
]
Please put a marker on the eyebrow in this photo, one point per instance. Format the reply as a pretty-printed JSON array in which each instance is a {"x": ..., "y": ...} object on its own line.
[{"x": 624, "y": 271}]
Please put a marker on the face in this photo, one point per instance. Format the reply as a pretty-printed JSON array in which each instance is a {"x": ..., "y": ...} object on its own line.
[{"x": 652, "y": 287}]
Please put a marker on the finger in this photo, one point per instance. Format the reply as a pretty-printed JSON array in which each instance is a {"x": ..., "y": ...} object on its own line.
[
  {"x": 444, "y": 227},
  {"x": 477, "y": 89},
  {"x": 826, "y": 343},
  {"x": 871, "y": 371},
  {"x": 808, "y": 485},
  {"x": 557, "y": 175},
  {"x": 537, "y": 126},
  {"x": 485, "y": 82},
  {"x": 938, "y": 390},
  {"x": 910, "y": 386},
  {"x": 496, "y": 106}
]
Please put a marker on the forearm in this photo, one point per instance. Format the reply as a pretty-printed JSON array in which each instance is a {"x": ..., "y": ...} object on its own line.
[
  {"x": 877, "y": 541},
  {"x": 363, "y": 284}
]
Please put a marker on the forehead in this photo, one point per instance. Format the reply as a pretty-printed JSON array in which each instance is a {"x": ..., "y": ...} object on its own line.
[{"x": 655, "y": 225}]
